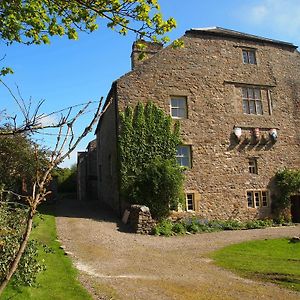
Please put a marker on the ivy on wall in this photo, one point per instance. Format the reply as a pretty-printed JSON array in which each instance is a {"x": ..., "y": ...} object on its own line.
[{"x": 150, "y": 174}]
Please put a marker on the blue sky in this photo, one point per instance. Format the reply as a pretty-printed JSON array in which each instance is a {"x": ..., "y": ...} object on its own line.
[{"x": 71, "y": 72}]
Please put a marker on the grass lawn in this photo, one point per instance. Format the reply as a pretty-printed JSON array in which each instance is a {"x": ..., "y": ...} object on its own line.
[
  {"x": 275, "y": 260},
  {"x": 59, "y": 280}
]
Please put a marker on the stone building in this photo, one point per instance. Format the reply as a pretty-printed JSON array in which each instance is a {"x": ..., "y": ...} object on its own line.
[
  {"x": 236, "y": 96},
  {"x": 87, "y": 173}
]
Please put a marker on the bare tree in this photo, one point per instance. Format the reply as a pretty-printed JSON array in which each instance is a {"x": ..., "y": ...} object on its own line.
[{"x": 66, "y": 142}]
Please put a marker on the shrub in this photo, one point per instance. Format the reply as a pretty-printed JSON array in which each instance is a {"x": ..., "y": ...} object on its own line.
[
  {"x": 232, "y": 225},
  {"x": 164, "y": 228},
  {"x": 194, "y": 225},
  {"x": 12, "y": 226},
  {"x": 288, "y": 183},
  {"x": 179, "y": 228},
  {"x": 256, "y": 224}
]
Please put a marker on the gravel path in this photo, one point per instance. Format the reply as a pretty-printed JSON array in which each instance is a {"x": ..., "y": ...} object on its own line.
[{"x": 115, "y": 264}]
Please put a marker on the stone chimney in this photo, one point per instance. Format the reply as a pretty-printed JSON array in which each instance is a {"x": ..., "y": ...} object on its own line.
[{"x": 151, "y": 49}]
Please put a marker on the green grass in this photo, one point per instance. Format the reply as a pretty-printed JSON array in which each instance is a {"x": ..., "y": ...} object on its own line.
[
  {"x": 277, "y": 261},
  {"x": 59, "y": 280}
]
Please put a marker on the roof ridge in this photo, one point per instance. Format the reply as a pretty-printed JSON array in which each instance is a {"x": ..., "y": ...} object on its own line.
[{"x": 234, "y": 33}]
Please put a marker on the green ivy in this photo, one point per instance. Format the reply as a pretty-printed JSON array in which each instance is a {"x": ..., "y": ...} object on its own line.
[
  {"x": 288, "y": 183},
  {"x": 149, "y": 172}
]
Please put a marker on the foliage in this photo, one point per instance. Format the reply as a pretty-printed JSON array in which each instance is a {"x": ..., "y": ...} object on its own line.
[
  {"x": 31, "y": 21},
  {"x": 196, "y": 225},
  {"x": 19, "y": 161},
  {"x": 269, "y": 260},
  {"x": 59, "y": 280},
  {"x": 149, "y": 172},
  {"x": 12, "y": 224},
  {"x": 288, "y": 182},
  {"x": 164, "y": 228},
  {"x": 66, "y": 179},
  {"x": 159, "y": 186}
]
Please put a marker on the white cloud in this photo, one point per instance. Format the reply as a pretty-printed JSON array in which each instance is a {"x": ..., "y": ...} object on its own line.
[
  {"x": 278, "y": 16},
  {"x": 46, "y": 120}
]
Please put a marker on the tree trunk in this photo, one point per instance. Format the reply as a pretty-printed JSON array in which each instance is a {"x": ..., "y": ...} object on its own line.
[{"x": 14, "y": 265}]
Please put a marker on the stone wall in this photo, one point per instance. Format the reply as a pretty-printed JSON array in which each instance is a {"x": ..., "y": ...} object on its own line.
[
  {"x": 87, "y": 173},
  {"x": 209, "y": 71},
  {"x": 107, "y": 156},
  {"x": 140, "y": 219}
]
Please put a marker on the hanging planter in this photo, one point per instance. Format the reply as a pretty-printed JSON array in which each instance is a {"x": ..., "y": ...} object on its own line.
[
  {"x": 237, "y": 131},
  {"x": 273, "y": 134},
  {"x": 256, "y": 135}
]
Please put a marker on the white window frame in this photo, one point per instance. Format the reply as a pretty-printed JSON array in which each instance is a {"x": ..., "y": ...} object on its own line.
[
  {"x": 252, "y": 165},
  {"x": 192, "y": 199},
  {"x": 181, "y": 110},
  {"x": 180, "y": 156},
  {"x": 259, "y": 198}
]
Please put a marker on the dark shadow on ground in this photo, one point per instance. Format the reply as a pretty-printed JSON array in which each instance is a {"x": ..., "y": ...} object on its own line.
[{"x": 73, "y": 208}]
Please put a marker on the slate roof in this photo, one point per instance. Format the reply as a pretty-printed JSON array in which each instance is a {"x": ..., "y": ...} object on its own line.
[{"x": 219, "y": 31}]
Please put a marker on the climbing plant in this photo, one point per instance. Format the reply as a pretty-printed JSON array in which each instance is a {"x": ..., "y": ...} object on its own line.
[
  {"x": 149, "y": 173},
  {"x": 288, "y": 183}
]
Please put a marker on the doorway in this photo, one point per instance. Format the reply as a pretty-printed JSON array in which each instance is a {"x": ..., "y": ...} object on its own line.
[{"x": 295, "y": 208}]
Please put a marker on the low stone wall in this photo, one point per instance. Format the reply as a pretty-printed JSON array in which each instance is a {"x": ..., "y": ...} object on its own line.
[{"x": 140, "y": 219}]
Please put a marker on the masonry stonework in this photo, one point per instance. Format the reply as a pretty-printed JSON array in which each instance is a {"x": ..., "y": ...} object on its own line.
[{"x": 209, "y": 71}]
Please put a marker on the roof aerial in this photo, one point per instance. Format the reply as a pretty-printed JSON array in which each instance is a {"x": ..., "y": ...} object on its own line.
[{"x": 237, "y": 34}]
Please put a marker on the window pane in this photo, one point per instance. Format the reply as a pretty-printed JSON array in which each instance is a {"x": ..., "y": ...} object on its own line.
[
  {"x": 256, "y": 198},
  {"x": 244, "y": 93},
  {"x": 183, "y": 156},
  {"x": 181, "y": 113},
  {"x": 253, "y": 166},
  {"x": 185, "y": 162},
  {"x": 181, "y": 103},
  {"x": 264, "y": 198},
  {"x": 252, "y": 107},
  {"x": 259, "y": 108},
  {"x": 250, "y": 93},
  {"x": 174, "y": 112},
  {"x": 174, "y": 102},
  {"x": 178, "y": 107},
  {"x": 251, "y": 55},
  {"x": 185, "y": 150},
  {"x": 256, "y": 93},
  {"x": 190, "y": 202},
  {"x": 245, "y": 57},
  {"x": 250, "y": 199},
  {"x": 245, "y": 107}
]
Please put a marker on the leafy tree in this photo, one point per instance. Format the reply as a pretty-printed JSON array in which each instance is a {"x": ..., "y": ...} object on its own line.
[
  {"x": 66, "y": 179},
  {"x": 149, "y": 172},
  {"x": 32, "y": 21},
  {"x": 19, "y": 162}
]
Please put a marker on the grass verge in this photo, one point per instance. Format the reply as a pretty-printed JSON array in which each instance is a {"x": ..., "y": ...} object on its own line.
[
  {"x": 277, "y": 261},
  {"x": 59, "y": 281}
]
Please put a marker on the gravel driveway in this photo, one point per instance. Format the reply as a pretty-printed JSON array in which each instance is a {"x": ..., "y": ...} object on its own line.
[{"x": 115, "y": 264}]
